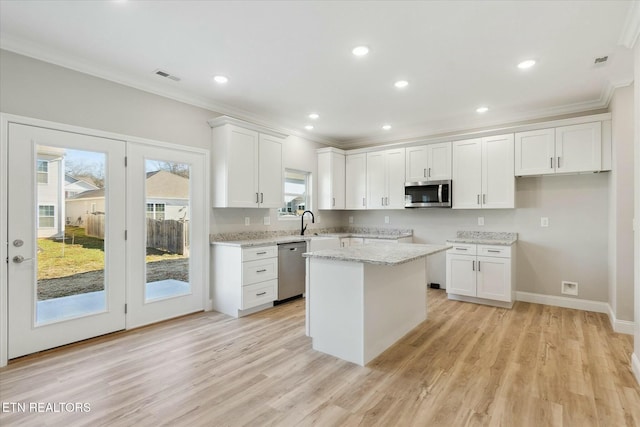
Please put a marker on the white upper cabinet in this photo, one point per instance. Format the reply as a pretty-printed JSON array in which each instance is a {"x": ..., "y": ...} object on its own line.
[
  {"x": 356, "y": 181},
  {"x": 566, "y": 149},
  {"x": 246, "y": 165},
  {"x": 331, "y": 178},
  {"x": 483, "y": 173},
  {"x": 385, "y": 179},
  {"x": 430, "y": 162}
]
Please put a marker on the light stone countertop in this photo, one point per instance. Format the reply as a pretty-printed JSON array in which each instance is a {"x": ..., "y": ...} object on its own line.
[
  {"x": 392, "y": 254},
  {"x": 246, "y": 243},
  {"x": 485, "y": 238}
]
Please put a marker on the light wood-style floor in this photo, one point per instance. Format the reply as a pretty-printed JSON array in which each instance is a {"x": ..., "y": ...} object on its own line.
[{"x": 468, "y": 365}]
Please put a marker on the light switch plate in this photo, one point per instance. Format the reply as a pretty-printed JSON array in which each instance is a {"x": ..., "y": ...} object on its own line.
[
  {"x": 247, "y": 220},
  {"x": 544, "y": 221},
  {"x": 266, "y": 220},
  {"x": 480, "y": 220},
  {"x": 386, "y": 219}
]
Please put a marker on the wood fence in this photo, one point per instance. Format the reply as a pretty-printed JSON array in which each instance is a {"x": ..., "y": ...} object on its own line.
[{"x": 168, "y": 235}]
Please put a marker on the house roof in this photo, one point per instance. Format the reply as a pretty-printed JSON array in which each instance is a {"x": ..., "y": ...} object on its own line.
[{"x": 160, "y": 185}]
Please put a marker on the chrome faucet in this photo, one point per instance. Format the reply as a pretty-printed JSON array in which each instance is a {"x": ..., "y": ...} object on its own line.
[{"x": 302, "y": 226}]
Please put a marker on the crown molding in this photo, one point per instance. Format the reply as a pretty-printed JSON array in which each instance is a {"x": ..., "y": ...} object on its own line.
[
  {"x": 631, "y": 28},
  {"x": 56, "y": 57}
]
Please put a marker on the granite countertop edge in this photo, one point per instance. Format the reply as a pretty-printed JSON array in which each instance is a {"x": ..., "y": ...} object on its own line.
[
  {"x": 296, "y": 238},
  {"x": 379, "y": 254},
  {"x": 497, "y": 242}
]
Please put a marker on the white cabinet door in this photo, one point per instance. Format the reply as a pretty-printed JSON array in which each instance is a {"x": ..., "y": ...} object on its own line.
[
  {"x": 438, "y": 161},
  {"x": 242, "y": 168},
  {"x": 416, "y": 163},
  {"x": 494, "y": 278},
  {"x": 535, "y": 152},
  {"x": 356, "y": 181},
  {"x": 376, "y": 180},
  {"x": 270, "y": 172},
  {"x": 467, "y": 174},
  {"x": 498, "y": 181},
  {"x": 395, "y": 163},
  {"x": 461, "y": 275},
  {"x": 579, "y": 148},
  {"x": 331, "y": 180}
]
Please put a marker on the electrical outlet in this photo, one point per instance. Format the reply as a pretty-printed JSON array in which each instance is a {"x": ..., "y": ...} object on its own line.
[
  {"x": 266, "y": 220},
  {"x": 386, "y": 219},
  {"x": 247, "y": 220},
  {"x": 569, "y": 288},
  {"x": 544, "y": 221},
  {"x": 350, "y": 219},
  {"x": 318, "y": 217},
  {"x": 480, "y": 220}
]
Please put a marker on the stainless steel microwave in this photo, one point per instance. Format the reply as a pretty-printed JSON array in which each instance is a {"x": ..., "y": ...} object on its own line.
[{"x": 427, "y": 194}]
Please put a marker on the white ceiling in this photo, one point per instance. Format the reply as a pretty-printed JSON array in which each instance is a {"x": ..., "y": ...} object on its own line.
[{"x": 287, "y": 59}]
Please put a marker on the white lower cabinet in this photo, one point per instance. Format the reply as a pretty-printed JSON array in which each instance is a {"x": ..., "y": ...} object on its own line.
[
  {"x": 481, "y": 273},
  {"x": 245, "y": 280}
]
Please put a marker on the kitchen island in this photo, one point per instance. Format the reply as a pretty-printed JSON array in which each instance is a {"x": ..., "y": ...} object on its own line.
[{"x": 361, "y": 300}]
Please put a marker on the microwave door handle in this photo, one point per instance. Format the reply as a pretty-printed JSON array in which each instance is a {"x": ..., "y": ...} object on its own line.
[{"x": 440, "y": 193}]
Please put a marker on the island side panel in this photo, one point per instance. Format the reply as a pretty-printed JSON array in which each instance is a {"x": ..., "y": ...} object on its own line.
[
  {"x": 395, "y": 302},
  {"x": 336, "y": 308}
]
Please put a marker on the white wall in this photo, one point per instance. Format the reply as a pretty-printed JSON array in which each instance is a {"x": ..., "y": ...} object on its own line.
[
  {"x": 636, "y": 114},
  {"x": 621, "y": 206}
]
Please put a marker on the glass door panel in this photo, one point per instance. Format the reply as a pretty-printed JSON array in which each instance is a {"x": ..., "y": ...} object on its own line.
[{"x": 167, "y": 194}]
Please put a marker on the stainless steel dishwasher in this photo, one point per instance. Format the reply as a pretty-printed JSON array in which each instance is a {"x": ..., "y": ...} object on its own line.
[{"x": 291, "y": 270}]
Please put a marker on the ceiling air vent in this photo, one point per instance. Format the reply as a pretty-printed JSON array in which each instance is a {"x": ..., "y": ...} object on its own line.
[
  {"x": 167, "y": 75},
  {"x": 600, "y": 60}
]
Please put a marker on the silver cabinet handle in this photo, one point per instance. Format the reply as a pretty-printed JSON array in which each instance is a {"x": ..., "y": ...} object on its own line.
[
  {"x": 19, "y": 259},
  {"x": 425, "y": 172},
  {"x": 260, "y": 294},
  {"x": 478, "y": 265},
  {"x": 386, "y": 201},
  {"x": 551, "y": 162},
  {"x": 364, "y": 204},
  {"x": 261, "y": 253},
  {"x": 478, "y": 199},
  {"x": 261, "y": 271},
  {"x": 334, "y": 201},
  {"x": 257, "y": 198},
  {"x": 484, "y": 199},
  {"x": 462, "y": 249},
  {"x": 429, "y": 174},
  {"x": 558, "y": 162},
  {"x": 473, "y": 265},
  {"x": 493, "y": 250},
  {"x": 440, "y": 193},
  {"x": 382, "y": 201},
  {"x": 261, "y": 197}
]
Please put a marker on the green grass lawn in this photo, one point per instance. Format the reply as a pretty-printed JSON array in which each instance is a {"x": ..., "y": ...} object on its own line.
[{"x": 78, "y": 254}]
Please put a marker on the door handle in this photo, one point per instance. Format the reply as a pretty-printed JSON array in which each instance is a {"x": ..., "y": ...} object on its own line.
[{"x": 19, "y": 259}]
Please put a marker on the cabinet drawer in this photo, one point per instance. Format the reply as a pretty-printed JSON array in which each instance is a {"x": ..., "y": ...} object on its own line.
[
  {"x": 259, "y": 293},
  {"x": 462, "y": 248},
  {"x": 494, "y": 251},
  {"x": 259, "y": 270},
  {"x": 260, "y": 252}
]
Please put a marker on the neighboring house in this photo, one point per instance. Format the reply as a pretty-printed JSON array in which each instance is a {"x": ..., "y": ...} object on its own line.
[
  {"x": 49, "y": 176},
  {"x": 74, "y": 186},
  {"x": 167, "y": 198}
]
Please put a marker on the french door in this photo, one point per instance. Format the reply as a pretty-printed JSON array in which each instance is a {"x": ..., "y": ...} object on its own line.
[
  {"x": 167, "y": 236},
  {"x": 66, "y": 236},
  {"x": 95, "y": 246}
]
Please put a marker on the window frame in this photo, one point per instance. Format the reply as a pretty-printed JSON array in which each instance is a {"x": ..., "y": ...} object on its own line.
[
  {"x": 53, "y": 216},
  {"x": 40, "y": 172},
  {"x": 308, "y": 186}
]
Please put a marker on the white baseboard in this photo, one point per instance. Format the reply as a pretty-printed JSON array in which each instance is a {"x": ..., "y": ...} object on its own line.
[
  {"x": 619, "y": 326},
  {"x": 635, "y": 366}
]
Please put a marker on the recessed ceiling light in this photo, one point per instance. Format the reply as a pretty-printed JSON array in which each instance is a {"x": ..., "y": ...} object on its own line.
[
  {"x": 386, "y": 127},
  {"x": 220, "y": 79},
  {"x": 401, "y": 83},
  {"x": 526, "y": 64},
  {"x": 360, "y": 50},
  {"x": 308, "y": 127},
  {"x": 482, "y": 109},
  {"x": 313, "y": 116}
]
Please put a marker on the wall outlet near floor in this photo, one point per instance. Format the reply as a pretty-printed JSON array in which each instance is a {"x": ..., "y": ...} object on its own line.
[
  {"x": 350, "y": 219},
  {"x": 569, "y": 288},
  {"x": 544, "y": 221},
  {"x": 266, "y": 220},
  {"x": 386, "y": 219},
  {"x": 480, "y": 220},
  {"x": 247, "y": 220}
]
